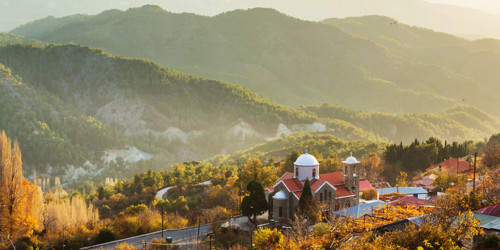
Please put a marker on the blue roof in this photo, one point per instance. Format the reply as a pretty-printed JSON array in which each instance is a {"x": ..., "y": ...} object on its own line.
[
  {"x": 403, "y": 190},
  {"x": 488, "y": 221},
  {"x": 360, "y": 210}
]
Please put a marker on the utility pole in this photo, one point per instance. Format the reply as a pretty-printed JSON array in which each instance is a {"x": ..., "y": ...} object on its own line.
[
  {"x": 162, "y": 223},
  {"x": 474, "y": 180},
  {"x": 64, "y": 229},
  {"x": 198, "y": 224}
]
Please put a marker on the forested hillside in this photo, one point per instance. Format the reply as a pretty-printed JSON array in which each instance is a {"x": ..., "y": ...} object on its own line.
[
  {"x": 67, "y": 104},
  {"x": 7, "y": 38},
  {"x": 49, "y": 130},
  {"x": 457, "y": 123},
  {"x": 291, "y": 61},
  {"x": 321, "y": 145}
]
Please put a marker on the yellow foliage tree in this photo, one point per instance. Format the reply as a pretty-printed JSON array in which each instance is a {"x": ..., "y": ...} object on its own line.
[
  {"x": 253, "y": 170},
  {"x": 19, "y": 200},
  {"x": 266, "y": 238}
]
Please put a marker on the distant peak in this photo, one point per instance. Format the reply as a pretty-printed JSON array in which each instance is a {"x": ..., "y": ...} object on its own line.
[
  {"x": 253, "y": 11},
  {"x": 149, "y": 8}
]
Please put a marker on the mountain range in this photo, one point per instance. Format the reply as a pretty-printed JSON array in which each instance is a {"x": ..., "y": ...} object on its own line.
[
  {"x": 249, "y": 76},
  {"x": 369, "y": 63},
  {"x": 450, "y": 18}
]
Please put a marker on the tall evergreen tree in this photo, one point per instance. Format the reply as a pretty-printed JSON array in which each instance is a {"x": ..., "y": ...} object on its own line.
[
  {"x": 256, "y": 203},
  {"x": 307, "y": 207}
]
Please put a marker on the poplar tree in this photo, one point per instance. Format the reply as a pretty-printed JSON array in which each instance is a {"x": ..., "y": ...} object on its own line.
[{"x": 19, "y": 199}]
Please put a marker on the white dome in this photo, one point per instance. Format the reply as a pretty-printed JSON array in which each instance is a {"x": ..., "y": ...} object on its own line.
[
  {"x": 306, "y": 160},
  {"x": 280, "y": 195},
  {"x": 351, "y": 160}
]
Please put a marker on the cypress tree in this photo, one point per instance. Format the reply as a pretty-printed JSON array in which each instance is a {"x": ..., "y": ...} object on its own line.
[{"x": 307, "y": 206}]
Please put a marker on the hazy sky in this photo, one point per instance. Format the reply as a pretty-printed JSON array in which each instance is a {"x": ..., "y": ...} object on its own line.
[
  {"x": 491, "y": 6},
  {"x": 459, "y": 21}
]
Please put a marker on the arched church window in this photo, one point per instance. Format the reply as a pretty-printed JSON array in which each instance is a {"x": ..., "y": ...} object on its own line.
[
  {"x": 314, "y": 172},
  {"x": 321, "y": 197},
  {"x": 330, "y": 195},
  {"x": 296, "y": 171}
]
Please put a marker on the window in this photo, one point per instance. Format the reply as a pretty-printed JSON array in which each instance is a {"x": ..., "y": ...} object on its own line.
[
  {"x": 296, "y": 171},
  {"x": 321, "y": 197},
  {"x": 330, "y": 194},
  {"x": 280, "y": 213},
  {"x": 314, "y": 172}
]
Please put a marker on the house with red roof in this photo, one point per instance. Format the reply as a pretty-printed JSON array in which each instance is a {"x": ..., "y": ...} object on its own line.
[
  {"x": 409, "y": 201},
  {"x": 364, "y": 186},
  {"x": 491, "y": 210},
  {"x": 335, "y": 191},
  {"x": 426, "y": 182},
  {"x": 452, "y": 165}
]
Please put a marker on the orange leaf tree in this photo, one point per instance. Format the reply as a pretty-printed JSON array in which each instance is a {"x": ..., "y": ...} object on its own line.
[{"x": 19, "y": 200}]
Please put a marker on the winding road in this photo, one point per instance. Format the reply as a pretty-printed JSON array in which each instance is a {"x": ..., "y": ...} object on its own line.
[{"x": 176, "y": 234}]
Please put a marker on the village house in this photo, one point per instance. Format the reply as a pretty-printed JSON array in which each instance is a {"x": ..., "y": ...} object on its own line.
[{"x": 452, "y": 165}]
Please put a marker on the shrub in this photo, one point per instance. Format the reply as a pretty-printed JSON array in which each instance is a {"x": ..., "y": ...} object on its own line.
[{"x": 105, "y": 234}]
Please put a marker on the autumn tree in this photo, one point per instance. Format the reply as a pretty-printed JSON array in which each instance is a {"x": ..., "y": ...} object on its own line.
[
  {"x": 19, "y": 200},
  {"x": 491, "y": 154},
  {"x": 402, "y": 179},
  {"x": 372, "y": 165},
  {"x": 266, "y": 238},
  {"x": 254, "y": 170}
]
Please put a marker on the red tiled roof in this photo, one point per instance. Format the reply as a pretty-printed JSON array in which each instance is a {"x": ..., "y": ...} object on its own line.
[
  {"x": 292, "y": 184},
  {"x": 298, "y": 194},
  {"x": 381, "y": 185},
  {"x": 451, "y": 165},
  {"x": 333, "y": 178},
  {"x": 409, "y": 201},
  {"x": 425, "y": 183},
  {"x": 342, "y": 191},
  {"x": 491, "y": 210},
  {"x": 364, "y": 186},
  {"x": 270, "y": 189},
  {"x": 316, "y": 184},
  {"x": 286, "y": 175}
]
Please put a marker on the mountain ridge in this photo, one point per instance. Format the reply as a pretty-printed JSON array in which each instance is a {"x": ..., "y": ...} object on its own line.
[{"x": 269, "y": 52}]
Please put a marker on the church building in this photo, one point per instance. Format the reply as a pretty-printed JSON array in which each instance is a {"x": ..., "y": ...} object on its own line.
[{"x": 335, "y": 191}]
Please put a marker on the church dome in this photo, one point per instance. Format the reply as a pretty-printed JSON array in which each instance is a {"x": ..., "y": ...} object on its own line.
[
  {"x": 280, "y": 195},
  {"x": 351, "y": 160},
  {"x": 306, "y": 160}
]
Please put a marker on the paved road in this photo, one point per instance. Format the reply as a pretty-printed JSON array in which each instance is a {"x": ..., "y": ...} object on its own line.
[
  {"x": 161, "y": 192},
  {"x": 176, "y": 234}
]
